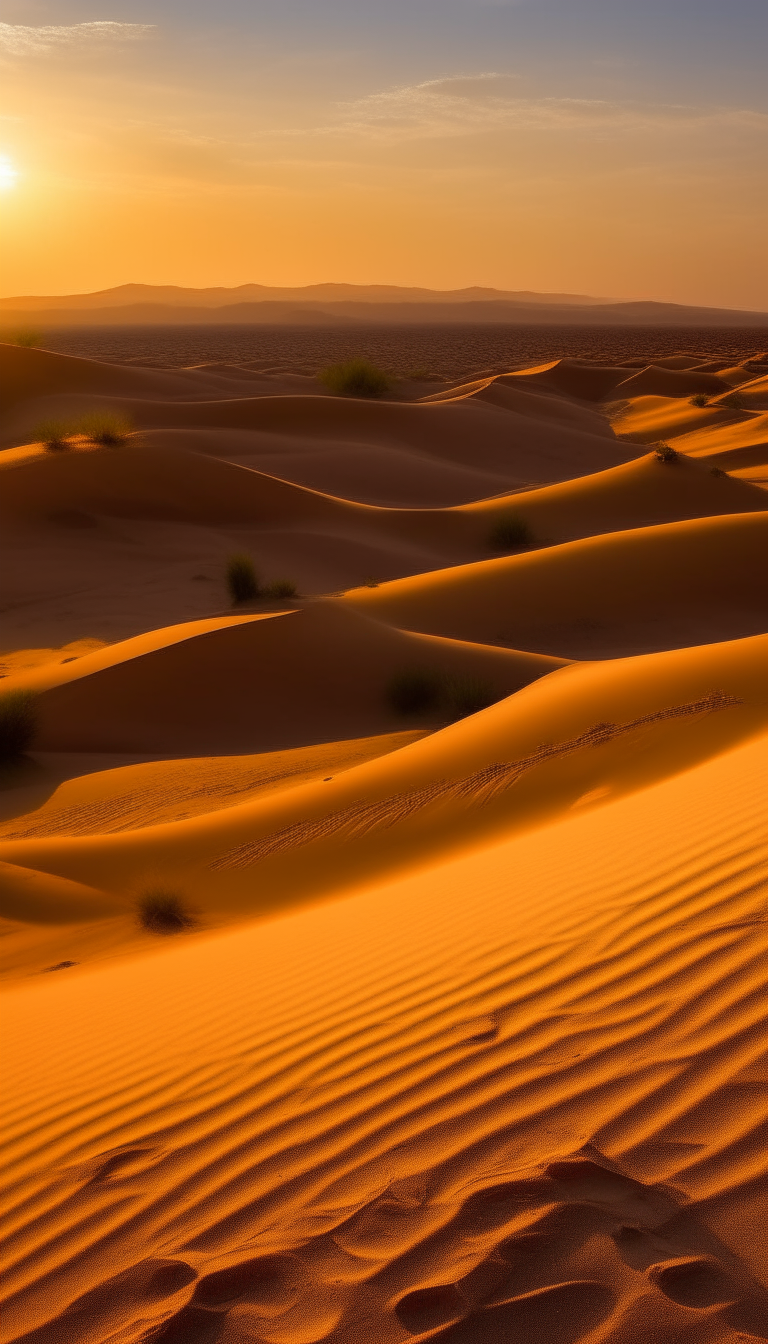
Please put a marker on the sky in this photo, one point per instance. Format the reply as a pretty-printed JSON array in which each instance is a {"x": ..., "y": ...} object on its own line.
[{"x": 586, "y": 146}]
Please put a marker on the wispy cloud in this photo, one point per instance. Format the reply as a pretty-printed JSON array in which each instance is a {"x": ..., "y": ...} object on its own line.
[
  {"x": 21, "y": 40},
  {"x": 460, "y": 105}
]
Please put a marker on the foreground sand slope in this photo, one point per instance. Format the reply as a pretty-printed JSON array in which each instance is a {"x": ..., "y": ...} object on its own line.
[
  {"x": 627, "y": 592},
  {"x": 515, "y": 1097},
  {"x": 575, "y": 739}
]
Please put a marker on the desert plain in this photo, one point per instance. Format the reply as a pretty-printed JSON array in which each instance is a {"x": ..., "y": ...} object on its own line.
[{"x": 457, "y": 1033}]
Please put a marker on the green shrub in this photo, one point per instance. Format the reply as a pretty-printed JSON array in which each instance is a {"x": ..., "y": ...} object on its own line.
[
  {"x": 414, "y": 692},
  {"x": 18, "y": 723},
  {"x": 105, "y": 427},
  {"x": 419, "y": 692},
  {"x": 242, "y": 582},
  {"x": 24, "y": 336},
  {"x": 281, "y": 588},
  {"x": 356, "y": 378},
  {"x": 699, "y": 399},
  {"x": 163, "y": 911},
  {"x": 664, "y": 452},
  {"x": 467, "y": 695},
  {"x": 509, "y": 533},
  {"x": 55, "y": 433}
]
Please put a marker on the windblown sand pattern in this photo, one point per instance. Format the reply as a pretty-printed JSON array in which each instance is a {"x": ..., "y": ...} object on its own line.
[
  {"x": 456, "y": 1029},
  {"x": 481, "y": 788}
]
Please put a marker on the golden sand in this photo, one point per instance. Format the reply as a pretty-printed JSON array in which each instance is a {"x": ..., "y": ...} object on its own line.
[{"x": 460, "y": 1032}]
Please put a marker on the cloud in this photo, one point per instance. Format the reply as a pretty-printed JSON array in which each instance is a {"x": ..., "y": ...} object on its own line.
[
  {"x": 460, "y": 105},
  {"x": 20, "y": 40}
]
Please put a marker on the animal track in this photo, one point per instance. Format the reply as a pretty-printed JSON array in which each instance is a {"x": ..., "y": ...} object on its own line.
[
  {"x": 272, "y": 1282},
  {"x": 694, "y": 1281},
  {"x": 429, "y": 1307}
]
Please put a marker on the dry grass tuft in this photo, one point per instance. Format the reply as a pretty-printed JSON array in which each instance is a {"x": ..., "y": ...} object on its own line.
[
  {"x": 355, "y": 378},
  {"x": 163, "y": 911},
  {"x": 18, "y": 723}
]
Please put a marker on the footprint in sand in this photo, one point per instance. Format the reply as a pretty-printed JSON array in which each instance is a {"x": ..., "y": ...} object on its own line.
[
  {"x": 272, "y": 1283},
  {"x": 429, "y": 1307},
  {"x": 109, "y": 1308},
  {"x": 694, "y": 1281},
  {"x": 564, "y": 1312}
]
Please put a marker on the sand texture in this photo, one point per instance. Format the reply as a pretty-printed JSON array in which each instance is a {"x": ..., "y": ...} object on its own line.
[{"x": 385, "y": 960}]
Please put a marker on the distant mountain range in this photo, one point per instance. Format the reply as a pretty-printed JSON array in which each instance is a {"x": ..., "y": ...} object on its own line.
[{"x": 335, "y": 304}]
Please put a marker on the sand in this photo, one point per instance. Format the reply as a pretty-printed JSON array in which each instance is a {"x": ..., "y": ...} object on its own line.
[{"x": 458, "y": 1030}]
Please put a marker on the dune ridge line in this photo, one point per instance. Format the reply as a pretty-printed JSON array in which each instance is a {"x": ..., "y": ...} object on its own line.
[{"x": 480, "y": 787}]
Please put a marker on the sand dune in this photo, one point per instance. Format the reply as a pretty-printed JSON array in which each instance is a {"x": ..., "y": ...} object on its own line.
[
  {"x": 649, "y": 419},
  {"x": 459, "y": 1034},
  {"x": 625, "y": 592},
  {"x": 458, "y": 1102},
  {"x": 666, "y": 382},
  {"x": 753, "y": 394},
  {"x": 102, "y": 541},
  {"x": 486, "y": 775},
  {"x": 267, "y": 682}
]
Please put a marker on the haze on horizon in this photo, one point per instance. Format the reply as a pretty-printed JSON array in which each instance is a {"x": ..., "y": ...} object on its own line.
[{"x": 585, "y": 146}]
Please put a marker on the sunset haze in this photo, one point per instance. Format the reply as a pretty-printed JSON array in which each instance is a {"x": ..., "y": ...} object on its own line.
[{"x": 567, "y": 145}]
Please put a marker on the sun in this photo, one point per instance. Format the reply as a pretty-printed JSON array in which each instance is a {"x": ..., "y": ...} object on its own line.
[{"x": 8, "y": 174}]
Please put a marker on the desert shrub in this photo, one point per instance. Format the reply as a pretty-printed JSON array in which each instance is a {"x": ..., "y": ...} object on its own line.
[
  {"x": 105, "y": 427},
  {"x": 163, "y": 911},
  {"x": 24, "y": 336},
  {"x": 280, "y": 588},
  {"x": 717, "y": 471},
  {"x": 734, "y": 401},
  {"x": 508, "y": 533},
  {"x": 699, "y": 399},
  {"x": 242, "y": 582},
  {"x": 55, "y": 434},
  {"x": 467, "y": 695},
  {"x": 355, "y": 378},
  {"x": 665, "y": 452},
  {"x": 414, "y": 692},
  {"x": 18, "y": 723}
]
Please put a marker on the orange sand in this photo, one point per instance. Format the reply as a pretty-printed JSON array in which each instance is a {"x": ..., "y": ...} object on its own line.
[{"x": 462, "y": 1038}]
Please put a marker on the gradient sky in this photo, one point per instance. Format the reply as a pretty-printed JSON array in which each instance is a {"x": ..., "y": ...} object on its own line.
[{"x": 590, "y": 146}]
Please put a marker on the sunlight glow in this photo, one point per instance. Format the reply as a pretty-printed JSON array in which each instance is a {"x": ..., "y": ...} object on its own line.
[{"x": 8, "y": 174}]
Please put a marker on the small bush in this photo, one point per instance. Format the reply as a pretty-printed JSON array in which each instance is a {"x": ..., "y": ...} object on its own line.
[
  {"x": 242, "y": 582},
  {"x": 509, "y": 533},
  {"x": 414, "y": 692},
  {"x": 665, "y": 452},
  {"x": 717, "y": 471},
  {"x": 18, "y": 723},
  {"x": 699, "y": 399},
  {"x": 467, "y": 695},
  {"x": 356, "y": 378},
  {"x": 26, "y": 337},
  {"x": 734, "y": 401},
  {"x": 55, "y": 434},
  {"x": 281, "y": 588},
  {"x": 106, "y": 428},
  {"x": 163, "y": 911}
]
